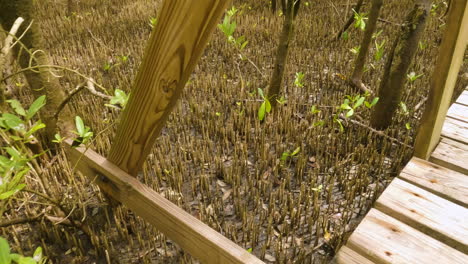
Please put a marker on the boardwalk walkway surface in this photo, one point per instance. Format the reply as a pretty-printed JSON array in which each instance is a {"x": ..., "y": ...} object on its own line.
[{"x": 422, "y": 216}]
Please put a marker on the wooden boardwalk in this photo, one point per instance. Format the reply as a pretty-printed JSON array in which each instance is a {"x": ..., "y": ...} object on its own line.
[{"x": 422, "y": 216}]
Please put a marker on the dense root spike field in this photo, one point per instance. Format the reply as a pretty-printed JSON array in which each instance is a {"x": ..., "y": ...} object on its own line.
[{"x": 214, "y": 158}]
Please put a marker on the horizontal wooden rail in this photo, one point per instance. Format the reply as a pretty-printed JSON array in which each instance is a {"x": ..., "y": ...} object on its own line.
[{"x": 198, "y": 239}]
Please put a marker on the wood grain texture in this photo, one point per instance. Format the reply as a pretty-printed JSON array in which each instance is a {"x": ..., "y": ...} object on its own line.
[
  {"x": 426, "y": 212},
  {"x": 349, "y": 256},
  {"x": 445, "y": 183},
  {"x": 198, "y": 239},
  {"x": 452, "y": 155},
  {"x": 173, "y": 50},
  {"x": 463, "y": 98},
  {"x": 459, "y": 112},
  {"x": 443, "y": 78},
  {"x": 455, "y": 130},
  {"x": 384, "y": 239}
]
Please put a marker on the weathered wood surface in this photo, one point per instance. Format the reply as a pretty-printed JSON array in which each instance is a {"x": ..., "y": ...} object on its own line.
[
  {"x": 383, "y": 239},
  {"x": 452, "y": 155},
  {"x": 198, "y": 239},
  {"x": 455, "y": 130},
  {"x": 434, "y": 216},
  {"x": 174, "y": 48},
  {"x": 451, "y": 53},
  {"x": 445, "y": 183},
  {"x": 349, "y": 256},
  {"x": 459, "y": 112},
  {"x": 463, "y": 98}
]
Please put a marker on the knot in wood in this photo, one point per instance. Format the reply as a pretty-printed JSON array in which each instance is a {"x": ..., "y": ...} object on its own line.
[{"x": 169, "y": 86}]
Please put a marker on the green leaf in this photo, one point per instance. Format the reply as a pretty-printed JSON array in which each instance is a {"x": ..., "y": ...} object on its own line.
[
  {"x": 260, "y": 92},
  {"x": 36, "y": 106},
  {"x": 37, "y": 256},
  {"x": 16, "y": 105},
  {"x": 36, "y": 127},
  {"x": 4, "y": 251},
  {"x": 80, "y": 127},
  {"x": 267, "y": 106},
  {"x": 261, "y": 111},
  {"x": 374, "y": 101},
  {"x": 345, "y": 106},
  {"x": 15, "y": 257},
  {"x": 6, "y": 195},
  {"x": 350, "y": 113},
  {"x": 403, "y": 107},
  {"x": 120, "y": 97},
  {"x": 26, "y": 260},
  {"x": 296, "y": 151},
  {"x": 408, "y": 126},
  {"x": 15, "y": 154},
  {"x": 285, "y": 156},
  {"x": 249, "y": 250},
  {"x": 359, "y": 102},
  {"x": 13, "y": 122}
]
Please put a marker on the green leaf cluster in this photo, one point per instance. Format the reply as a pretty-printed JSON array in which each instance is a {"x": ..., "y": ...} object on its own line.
[
  {"x": 298, "y": 81},
  {"x": 6, "y": 257},
  {"x": 360, "y": 20},
  {"x": 265, "y": 107},
  {"x": 18, "y": 128},
  {"x": 119, "y": 100},
  {"x": 83, "y": 132},
  {"x": 288, "y": 154},
  {"x": 228, "y": 27}
]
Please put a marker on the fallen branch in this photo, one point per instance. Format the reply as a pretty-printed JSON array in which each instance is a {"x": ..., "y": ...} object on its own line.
[
  {"x": 377, "y": 132},
  {"x": 22, "y": 220},
  {"x": 78, "y": 88},
  {"x": 9, "y": 39}
]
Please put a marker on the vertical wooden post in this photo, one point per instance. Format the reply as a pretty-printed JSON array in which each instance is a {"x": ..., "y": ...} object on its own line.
[
  {"x": 174, "y": 48},
  {"x": 445, "y": 74}
]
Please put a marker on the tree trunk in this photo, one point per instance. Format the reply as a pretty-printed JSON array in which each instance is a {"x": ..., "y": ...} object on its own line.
[
  {"x": 356, "y": 8},
  {"x": 398, "y": 63},
  {"x": 41, "y": 82},
  {"x": 282, "y": 52},
  {"x": 356, "y": 78}
]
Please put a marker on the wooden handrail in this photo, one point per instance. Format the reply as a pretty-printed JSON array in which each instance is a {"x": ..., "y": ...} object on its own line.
[
  {"x": 198, "y": 239},
  {"x": 443, "y": 80}
]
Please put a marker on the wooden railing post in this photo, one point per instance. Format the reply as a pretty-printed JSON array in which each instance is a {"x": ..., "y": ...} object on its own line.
[
  {"x": 443, "y": 80},
  {"x": 174, "y": 48}
]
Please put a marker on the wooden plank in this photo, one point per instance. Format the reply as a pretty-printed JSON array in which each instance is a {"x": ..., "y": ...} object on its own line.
[
  {"x": 384, "y": 239},
  {"x": 459, "y": 112},
  {"x": 426, "y": 212},
  {"x": 463, "y": 98},
  {"x": 348, "y": 256},
  {"x": 455, "y": 130},
  {"x": 174, "y": 48},
  {"x": 452, "y": 155},
  {"x": 441, "y": 181},
  {"x": 443, "y": 79},
  {"x": 198, "y": 239}
]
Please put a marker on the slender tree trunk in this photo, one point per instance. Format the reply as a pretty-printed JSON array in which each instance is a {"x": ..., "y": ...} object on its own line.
[
  {"x": 350, "y": 21},
  {"x": 273, "y": 6},
  {"x": 282, "y": 52},
  {"x": 398, "y": 64},
  {"x": 356, "y": 78},
  {"x": 41, "y": 82}
]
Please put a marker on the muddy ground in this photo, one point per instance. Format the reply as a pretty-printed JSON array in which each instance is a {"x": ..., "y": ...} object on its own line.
[{"x": 214, "y": 158}]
